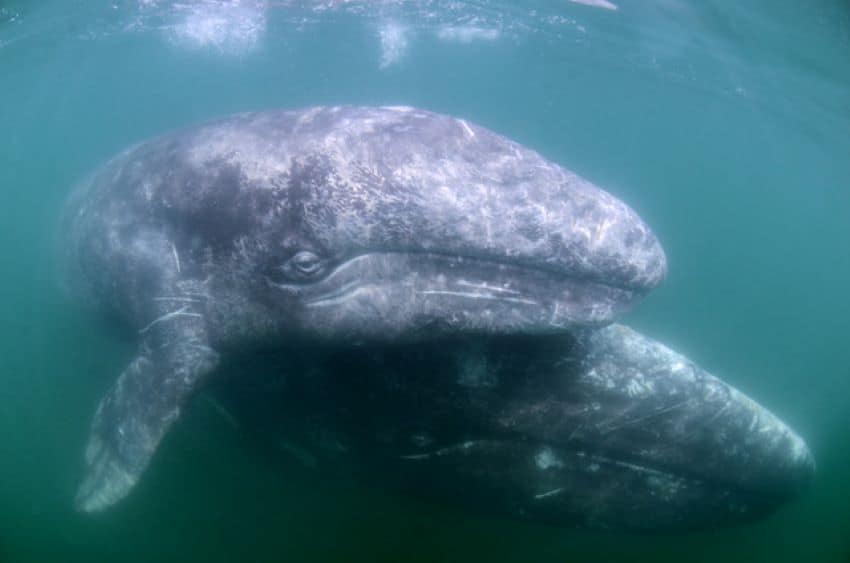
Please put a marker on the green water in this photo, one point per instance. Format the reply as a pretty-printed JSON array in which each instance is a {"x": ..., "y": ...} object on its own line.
[{"x": 726, "y": 125}]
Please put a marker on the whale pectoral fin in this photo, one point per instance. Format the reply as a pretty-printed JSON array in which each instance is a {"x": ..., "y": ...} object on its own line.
[{"x": 145, "y": 401}]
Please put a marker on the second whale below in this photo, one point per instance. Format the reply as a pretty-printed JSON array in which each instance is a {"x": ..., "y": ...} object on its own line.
[{"x": 604, "y": 428}]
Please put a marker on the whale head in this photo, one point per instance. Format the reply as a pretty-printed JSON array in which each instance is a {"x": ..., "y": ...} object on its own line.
[{"x": 373, "y": 222}]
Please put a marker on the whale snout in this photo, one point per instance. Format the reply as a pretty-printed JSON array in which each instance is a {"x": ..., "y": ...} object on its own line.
[
  {"x": 640, "y": 439},
  {"x": 637, "y": 438},
  {"x": 613, "y": 245},
  {"x": 793, "y": 469},
  {"x": 685, "y": 449},
  {"x": 758, "y": 471},
  {"x": 571, "y": 227}
]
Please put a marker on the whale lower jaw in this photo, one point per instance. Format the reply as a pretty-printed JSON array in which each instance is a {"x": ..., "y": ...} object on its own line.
[{"x": 578, "y": 488}]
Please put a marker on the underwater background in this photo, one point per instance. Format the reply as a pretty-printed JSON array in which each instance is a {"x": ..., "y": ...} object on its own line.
[{"x": 726, "y": 125}]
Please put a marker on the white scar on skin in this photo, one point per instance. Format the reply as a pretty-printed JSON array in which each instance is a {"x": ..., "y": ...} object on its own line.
[
  {"x": 553, "y": 492},
  {"x": 180, "y": 299},
  {"x": 176, "y": 257},
  {"x": 181, "y": 312},
  {"x": 466, "y": 128},
  {"x": 480, "y": 296},
  {"x": 488, "y": 287},
  {"x": 442, "y": 451}
]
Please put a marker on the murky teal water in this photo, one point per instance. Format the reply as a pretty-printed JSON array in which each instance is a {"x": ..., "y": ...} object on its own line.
[{"x": 726, "y": 125}]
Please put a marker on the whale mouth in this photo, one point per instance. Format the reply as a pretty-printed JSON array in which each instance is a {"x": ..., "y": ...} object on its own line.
[
  {"x": 384, "y": 294},
  {"x": 659, "y": 483},
  {"x": 463, "y": 289},
  {"x": 586, "y": 488}
]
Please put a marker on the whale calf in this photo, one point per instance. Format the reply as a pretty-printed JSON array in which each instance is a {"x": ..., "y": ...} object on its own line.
[
  {"x": 603, "y": 429},
  {"x": 336, "y": 225}
]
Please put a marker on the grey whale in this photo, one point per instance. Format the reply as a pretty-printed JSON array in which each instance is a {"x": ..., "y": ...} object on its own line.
[
  {"x": 336, "y": 225},
  {"x": 604, "y": 428}
]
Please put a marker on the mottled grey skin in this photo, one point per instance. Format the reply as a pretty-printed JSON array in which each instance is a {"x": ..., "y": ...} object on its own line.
[
  {"x": 335, "y": 224},
  {"x": 607, "y": 430}
]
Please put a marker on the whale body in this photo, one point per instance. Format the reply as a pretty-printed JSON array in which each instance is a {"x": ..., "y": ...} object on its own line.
[{"x": 336, "y": 225}]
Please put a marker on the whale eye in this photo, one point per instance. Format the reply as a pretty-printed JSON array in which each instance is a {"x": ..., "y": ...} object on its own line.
[{"x": 304, "y": 265}]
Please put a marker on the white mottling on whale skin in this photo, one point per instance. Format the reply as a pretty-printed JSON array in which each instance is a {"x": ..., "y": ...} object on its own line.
[
  {"x": 546, "y": 459},
  {"x": 639, "y": 386}
]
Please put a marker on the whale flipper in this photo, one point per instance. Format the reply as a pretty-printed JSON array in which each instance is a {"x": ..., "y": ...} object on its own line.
[{"x": 134, "y": 416}]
